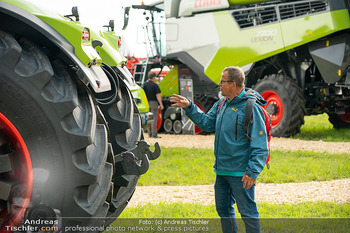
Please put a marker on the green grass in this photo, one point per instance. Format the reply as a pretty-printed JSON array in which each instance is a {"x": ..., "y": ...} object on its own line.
[
  {"x": 183, "y": 166},
  {"x": 266, "y": 210},
  {"x": 180, "y": 166},
  {"x": 312, "y": 217},
  {"x": 318, "y": 127},
  {"x": 304, "y": 166},
  {"x": 170, "y": 210}
]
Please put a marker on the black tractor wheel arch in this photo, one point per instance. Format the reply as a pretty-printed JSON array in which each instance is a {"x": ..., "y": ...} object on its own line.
[
  {"x": 58, "y": 120},
  {"x": 290, "y": 96}
]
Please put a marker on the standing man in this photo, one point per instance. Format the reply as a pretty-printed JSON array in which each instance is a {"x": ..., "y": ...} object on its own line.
[
  {"x": 238, "y": 161},
  {"x": 154, "y": 97}
]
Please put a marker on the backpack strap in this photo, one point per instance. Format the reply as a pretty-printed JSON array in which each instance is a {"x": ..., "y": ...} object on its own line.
[
  {"x": 221, "y": 103},
  {"x": 248, "y": 120}
]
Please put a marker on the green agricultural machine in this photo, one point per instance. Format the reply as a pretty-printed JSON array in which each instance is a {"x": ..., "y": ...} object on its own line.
[
  {"x": 71, "y": 140},
  {"x": 295, "y": 53}
]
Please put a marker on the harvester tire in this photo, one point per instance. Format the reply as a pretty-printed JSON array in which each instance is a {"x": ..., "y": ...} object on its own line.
[
  {"x": 58, "y": 120},
  {"x": 286, "y": 104},
  {"x": 339, "y": 122}
]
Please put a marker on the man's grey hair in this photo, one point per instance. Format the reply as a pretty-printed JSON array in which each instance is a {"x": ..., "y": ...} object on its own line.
[
  {"x": 236, "y": 75},
  {"x": 151, "y": 75}
]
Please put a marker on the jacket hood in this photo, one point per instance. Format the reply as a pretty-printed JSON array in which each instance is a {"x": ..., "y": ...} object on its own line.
[{"x": 250, "y": 93}]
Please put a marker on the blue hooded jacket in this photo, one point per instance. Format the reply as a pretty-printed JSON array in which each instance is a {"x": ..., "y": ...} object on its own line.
[{"x": 234, "y": 153}]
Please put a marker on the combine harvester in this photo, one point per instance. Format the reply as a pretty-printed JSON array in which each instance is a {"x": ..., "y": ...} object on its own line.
[{"x": 295, "y": 53}]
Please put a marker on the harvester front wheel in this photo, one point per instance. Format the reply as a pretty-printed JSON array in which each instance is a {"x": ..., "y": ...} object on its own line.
[{"x": 285, "y": 103}]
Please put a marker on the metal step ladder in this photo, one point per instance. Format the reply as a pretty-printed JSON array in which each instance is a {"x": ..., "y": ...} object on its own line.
[{"x": 139, "y": 73}]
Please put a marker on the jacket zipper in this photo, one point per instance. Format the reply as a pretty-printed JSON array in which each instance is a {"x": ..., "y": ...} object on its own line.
[
  {"x": 217, "y": 146},
  {"x": 236, "y": 126}
]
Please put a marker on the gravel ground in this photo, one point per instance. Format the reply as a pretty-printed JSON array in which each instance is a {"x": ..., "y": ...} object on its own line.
[
  {"x": 207, "y": 141},
  {"x": 331, "y": 191}
]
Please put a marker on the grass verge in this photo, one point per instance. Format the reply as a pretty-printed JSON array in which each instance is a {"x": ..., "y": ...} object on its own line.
[
  {"x": 312, "y": 217},
  {"x": 183, "y": 166},
  {"x": 318, "y": 127},
  {"x": 266, "y": 210}
]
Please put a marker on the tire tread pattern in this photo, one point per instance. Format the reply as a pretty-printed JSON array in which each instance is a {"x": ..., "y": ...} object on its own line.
[{"x": 293, "y": 103}]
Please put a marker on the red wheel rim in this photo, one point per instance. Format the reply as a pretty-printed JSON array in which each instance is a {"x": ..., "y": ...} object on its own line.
[
  {"x": 160, "y": 119},
  {"x": 274, "y": 107},
  {"x": 197, "y": 130},
  {"x": 22, "y": 173}
]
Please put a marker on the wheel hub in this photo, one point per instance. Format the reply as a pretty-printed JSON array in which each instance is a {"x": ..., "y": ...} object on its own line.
[
  {"x": 274, "y": 107},
  {"x": 16, "y": 179}
]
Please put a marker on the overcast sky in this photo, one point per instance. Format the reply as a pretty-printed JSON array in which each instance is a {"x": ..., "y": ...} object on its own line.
[{"x": 96, "y": 13}]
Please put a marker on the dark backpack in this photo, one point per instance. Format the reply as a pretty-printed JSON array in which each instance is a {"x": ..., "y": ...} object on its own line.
[{"x": 248, "y": 119}]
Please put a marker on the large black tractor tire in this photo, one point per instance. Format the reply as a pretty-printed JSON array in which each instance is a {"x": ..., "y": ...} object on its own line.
[
  {"x": 68, "y": 144},
  {"x": 286, "y": 104},
  {"x": 124, "y": 124},
  {"x": 339, "y": 122}
]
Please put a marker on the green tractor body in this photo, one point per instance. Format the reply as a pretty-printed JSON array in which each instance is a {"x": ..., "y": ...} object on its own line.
[
  {"x": 295, "y": 53},
  {"x": 71, "y": 118}
]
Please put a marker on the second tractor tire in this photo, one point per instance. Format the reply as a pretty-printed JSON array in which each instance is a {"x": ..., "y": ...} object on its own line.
[{"x": 286, "y": 103}]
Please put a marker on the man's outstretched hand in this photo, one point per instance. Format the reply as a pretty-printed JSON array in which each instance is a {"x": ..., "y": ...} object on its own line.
[{"x": 179, "y": 101}]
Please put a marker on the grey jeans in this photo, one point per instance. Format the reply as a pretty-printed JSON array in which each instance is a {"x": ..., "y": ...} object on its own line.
[{"x": 152, "y": 130}]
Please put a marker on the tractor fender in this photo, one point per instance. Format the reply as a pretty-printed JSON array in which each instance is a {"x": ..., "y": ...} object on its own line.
[{"x": 21, "y": 22}]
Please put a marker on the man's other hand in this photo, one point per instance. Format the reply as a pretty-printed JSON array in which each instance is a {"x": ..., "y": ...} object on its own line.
[{"x": 247, "y": 182}]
